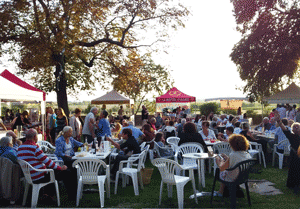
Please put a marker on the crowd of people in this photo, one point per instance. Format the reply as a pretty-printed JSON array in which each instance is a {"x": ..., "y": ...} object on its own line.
[{"x": 68, "y": 135}]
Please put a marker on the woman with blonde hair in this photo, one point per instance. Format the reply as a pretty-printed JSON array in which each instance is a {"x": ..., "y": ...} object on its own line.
[
  {"x": 65, "y": 144},
  {"x": 61, "y": 120}
]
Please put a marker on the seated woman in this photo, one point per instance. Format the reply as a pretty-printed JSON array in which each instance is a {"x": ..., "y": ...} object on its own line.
[
  {"x": 169, "y": 130},
  {"x": 239, "y": 144},
  {"x": 6, "y": 149},
  {"x": 246, "y": 132},
  {"x": 65, "y": 145},
  {"x": 116, "y": 130},
  {"x": 207, "y": 133},
  {"x": 159, "y": 139},
  {"x": 149, "y": 134},
  {"x": 190, "y": 135}
]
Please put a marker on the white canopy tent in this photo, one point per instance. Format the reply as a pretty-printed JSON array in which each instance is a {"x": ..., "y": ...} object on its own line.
[
  {"x": 289, "y": 95},
  {"x": 13, "y": 88},
  {"x": 112, "y": 97}
]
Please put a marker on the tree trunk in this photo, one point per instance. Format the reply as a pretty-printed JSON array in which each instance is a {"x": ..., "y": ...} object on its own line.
[{"x": 61, "y": 85}]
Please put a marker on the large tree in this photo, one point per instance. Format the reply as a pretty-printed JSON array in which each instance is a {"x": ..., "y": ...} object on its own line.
[
  {"x": 139, "y": 76},
  {"x": 268, "y": 54},
  {"x": 65, "y": 44}
]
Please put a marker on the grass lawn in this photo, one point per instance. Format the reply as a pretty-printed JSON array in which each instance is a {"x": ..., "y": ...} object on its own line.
[{"x": 148, "y": 197}]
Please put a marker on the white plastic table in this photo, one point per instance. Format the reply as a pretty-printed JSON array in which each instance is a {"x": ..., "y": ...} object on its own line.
[
  {"x": 88, "y": 155},
  {"x": 198, "y": 157}
]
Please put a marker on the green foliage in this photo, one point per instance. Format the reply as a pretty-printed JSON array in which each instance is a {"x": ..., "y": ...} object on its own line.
[
  {"x": 71, "y": 45},
  {"x": 267, "y": 56},
  {"x": 229, "y": 111},
  {"x": 207, "y": 108}
]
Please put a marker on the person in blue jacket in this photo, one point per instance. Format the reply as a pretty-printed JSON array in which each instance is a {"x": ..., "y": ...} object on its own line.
[
  {"x": 65, "y": 145},
  {"x": 6, "y": 149}
]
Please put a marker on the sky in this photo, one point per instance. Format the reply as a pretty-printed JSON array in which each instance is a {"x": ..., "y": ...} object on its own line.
[{"x": 198, "y": 57}]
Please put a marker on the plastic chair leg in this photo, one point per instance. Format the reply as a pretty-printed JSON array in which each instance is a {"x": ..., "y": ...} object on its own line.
[
  {"x": 35, "y": 195},
  {"x": 78, "y": 192},
  {"x": 135, "y": 183},
  {"x": 101, "y": 192},
  {"x": 194, "y": 185},
  {"x": 213, "y": 189},
  {"x": 248, "y": 195},
  {"x": 232, "y": 193},
  {"x": 57, "y": 193},
  {"x": 160, "y": 192},
  {"x": 202, "y": 174},
  {"x": 116, "y": 183},
  {"x": 107, "y": 188},
  {"x": 180, "y": 195},
  {"x": 263, "y": 158},
  {"x": 25, "y": 194},
  {"x": 280, "y": 156}
]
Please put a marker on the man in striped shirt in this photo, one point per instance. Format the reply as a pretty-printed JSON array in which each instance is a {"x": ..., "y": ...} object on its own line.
[{"x": 30, "y": 152}]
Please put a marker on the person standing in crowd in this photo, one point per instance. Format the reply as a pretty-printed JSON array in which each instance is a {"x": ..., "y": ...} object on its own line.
[
  {"x": 88, "y": 130},
  {"x": 16, "y": 142},
  {"x": 49, "y": 112},
  {"x": 61, "y": 121},
  {"x": 30, "y": 152},
  {"x": 21, "y": 120},
  {"x": 52, "y": 126},
  {"x": 76, "y": 125},
  {"x": 159, "y": 121},
  {"x": 121, "y": 113},
  {"x": 145, "y": 115},
  {"x": 103, "y": 125},
  {"x": 2, "y": 124},
  {"x": 293, "y": 180}
]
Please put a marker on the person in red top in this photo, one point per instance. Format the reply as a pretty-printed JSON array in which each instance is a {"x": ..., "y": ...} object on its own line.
[{"x": 30, "y": 152}]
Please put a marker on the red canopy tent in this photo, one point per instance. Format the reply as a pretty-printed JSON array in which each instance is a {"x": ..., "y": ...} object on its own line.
[{"x": 175, "y": 96}]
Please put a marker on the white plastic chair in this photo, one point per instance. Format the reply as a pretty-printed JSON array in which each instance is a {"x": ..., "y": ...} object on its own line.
[
  {"x": 258, "y": 150},
  {"x": 47, "y": 144},
  {"x": 26, "y": 168},
  {"x": 223, "y": 147},
  {"x": 158, "y": 149},
  {"x": 187, "y": 163},
  {"x": 286, "y": 152},
  {"x": 142, "y": 145},
  {"x": 55, "y": 159},
  {"x": 129, "y": 171},
  {"x": 142, "y": 165},
  {"x": 88, "y": 174},
  {"x": 167, "y": 169},
  {"x": 173, "y": 141}
]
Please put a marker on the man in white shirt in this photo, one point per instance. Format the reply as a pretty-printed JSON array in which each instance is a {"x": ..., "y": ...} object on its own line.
[
  {"x": 282, "y": 111},
  {"x": 88, "y": 130}
]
